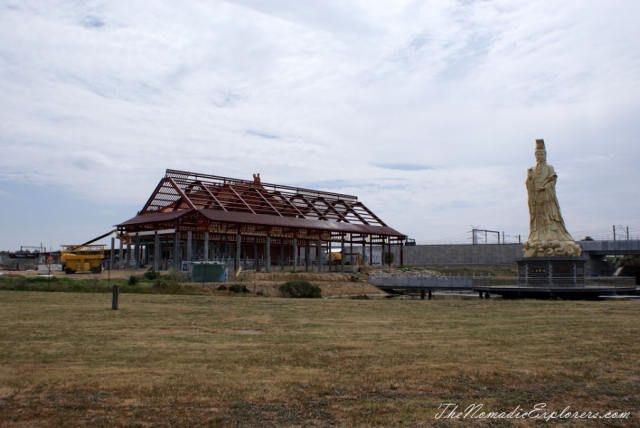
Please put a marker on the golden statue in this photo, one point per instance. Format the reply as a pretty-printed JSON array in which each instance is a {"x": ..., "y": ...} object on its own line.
[{"x": 548, "y": 236}]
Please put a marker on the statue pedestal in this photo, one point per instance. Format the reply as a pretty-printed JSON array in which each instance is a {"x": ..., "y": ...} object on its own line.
[{"x": 551, "y": 271}]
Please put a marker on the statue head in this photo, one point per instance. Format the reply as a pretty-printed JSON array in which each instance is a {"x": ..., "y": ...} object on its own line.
[{"x": 541, "y": 152}]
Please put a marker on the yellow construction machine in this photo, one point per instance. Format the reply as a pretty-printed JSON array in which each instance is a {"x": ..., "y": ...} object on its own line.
[
  {"x": 83, "y": 258},
  {"x": 354, "y": 259}
]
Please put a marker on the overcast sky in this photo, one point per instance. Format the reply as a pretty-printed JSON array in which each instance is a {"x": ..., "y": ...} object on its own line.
[{"x": 427, "y": 111}]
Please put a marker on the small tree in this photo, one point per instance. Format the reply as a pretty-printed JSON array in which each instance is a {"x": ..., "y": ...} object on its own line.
[{"x": 388, "y": 258}]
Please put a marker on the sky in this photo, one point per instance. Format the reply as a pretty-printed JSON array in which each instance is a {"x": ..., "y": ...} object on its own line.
[{"x": 426, "y": 110}]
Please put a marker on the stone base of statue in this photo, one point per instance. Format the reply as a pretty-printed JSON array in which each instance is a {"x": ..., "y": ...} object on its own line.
[
  {"x": 551, "y": 271},
  {"x": 551, "y": 248}
]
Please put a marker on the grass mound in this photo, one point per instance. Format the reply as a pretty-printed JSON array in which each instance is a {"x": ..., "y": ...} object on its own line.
[{"x": 300, "y": 289}]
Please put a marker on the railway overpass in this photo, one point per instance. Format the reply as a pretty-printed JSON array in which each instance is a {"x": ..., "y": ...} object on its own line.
[{"x": 506, "y": 254}]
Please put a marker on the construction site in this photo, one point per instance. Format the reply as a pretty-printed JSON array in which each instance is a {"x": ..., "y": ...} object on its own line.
[
  {"x": 193, "y": 217},
  {"x": 214, "y": 229}
]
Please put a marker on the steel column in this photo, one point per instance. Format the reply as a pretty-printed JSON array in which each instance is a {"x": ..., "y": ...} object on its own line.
[
  {"x": 112, "y": 255},
  {"x": 281, "y": 254},
  {"x": 189, "y": 247},
  {"x": 256, "y": 262},
  {"x": 295, "y": 255},
  {"x": 236, "y": 263},
  {"x": 268, "y": 248},
  {"x": 176, "y": 251},
  {"x": 121, "y": 254},
  {"x": 206, "y": 246},
  {"x": 342, "y": 254},
  {"x": 156, "y": 253},
  {"x": 138, "y": 252}
]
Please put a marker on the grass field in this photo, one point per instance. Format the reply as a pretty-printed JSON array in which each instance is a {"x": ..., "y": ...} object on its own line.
[{"x": 66, "y": 359}]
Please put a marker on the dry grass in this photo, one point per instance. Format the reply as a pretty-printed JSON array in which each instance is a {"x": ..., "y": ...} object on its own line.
[{"x": 66, "y": 359}]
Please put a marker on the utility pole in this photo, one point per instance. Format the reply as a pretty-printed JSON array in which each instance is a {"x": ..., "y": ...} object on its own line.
[{"x": 624, "y": 230}]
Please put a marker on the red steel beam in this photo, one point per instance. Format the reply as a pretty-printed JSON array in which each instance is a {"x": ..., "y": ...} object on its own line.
[
  {"x": 242, "y": 200},
  {"x": 267, "y": 201},
  {"x": 182, "y": 194}
]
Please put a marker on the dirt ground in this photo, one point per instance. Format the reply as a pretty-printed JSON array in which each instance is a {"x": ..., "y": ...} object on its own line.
[{"x": 331, "y": 284}]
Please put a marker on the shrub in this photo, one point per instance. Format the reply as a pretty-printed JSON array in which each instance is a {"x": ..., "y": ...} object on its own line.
[
  {"x": 151, "y": 274},
  {"x": 388, "y": 258},
  {"x": 300, "y": 289},
  {"x": 133, "y": 280},
  {"x": 235, "y": 288}
]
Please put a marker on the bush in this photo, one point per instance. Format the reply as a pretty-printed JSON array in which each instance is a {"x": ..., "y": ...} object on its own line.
[
  {"x": 300, "y": 289},
  {"x": 388, "y": 258},
  {"x": 133, "y": 280},
  {"x": 151, "y": 274},
  {"x": 235, "y": 288}
]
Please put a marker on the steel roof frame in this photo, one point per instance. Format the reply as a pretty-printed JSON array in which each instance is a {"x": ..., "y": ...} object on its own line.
[{"x": 182, "y": 190}]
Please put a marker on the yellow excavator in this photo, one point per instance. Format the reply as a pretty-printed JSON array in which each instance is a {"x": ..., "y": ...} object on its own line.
[
  {"x": 83, "y": 258},
  {"x": 354, "y": 259}
]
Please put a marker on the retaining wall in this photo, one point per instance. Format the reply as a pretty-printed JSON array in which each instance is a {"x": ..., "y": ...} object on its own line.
[{"x": 463, "y": 254}]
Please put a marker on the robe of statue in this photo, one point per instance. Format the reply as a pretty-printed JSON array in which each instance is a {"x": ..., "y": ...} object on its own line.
[
  {"x": 548, "y": 236},
  {"x": 545, "y": 219}
]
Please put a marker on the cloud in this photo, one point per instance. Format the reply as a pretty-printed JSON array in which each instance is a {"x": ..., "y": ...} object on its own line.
[
  {"x": 262, "y": 135},
  {"x": 404, "y": 166},
  {"x": 340, "y": 95},
  {"x": 92, "y": 22}
]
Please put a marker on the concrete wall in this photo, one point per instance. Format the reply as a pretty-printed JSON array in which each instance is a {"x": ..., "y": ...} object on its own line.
[
  {"x": 505, "y": 254},
  {"x": 465, "y": 254}
]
